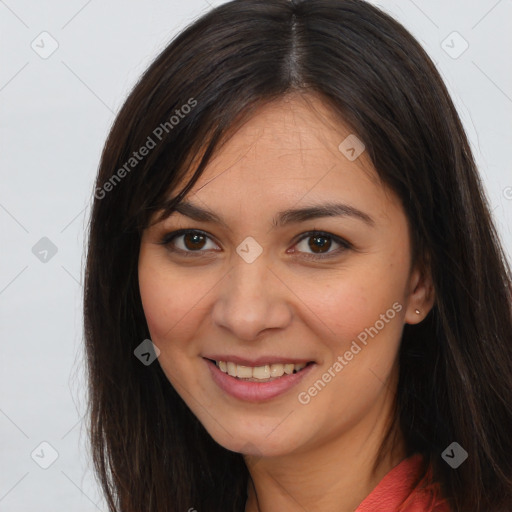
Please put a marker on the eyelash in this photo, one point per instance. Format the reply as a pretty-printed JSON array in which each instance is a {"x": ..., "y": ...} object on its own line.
[{"x": 170, "y": 237}]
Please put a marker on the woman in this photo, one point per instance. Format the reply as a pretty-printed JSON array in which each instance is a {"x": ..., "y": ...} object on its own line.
[{"x": 287, "y": 213}]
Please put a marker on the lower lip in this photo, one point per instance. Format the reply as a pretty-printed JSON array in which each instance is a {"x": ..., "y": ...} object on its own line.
[{"x": 256, "y": 391}]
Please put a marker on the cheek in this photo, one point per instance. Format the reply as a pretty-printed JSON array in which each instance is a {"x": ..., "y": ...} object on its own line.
[
  {"x": 174, "y": 301},
  {"x": 166, "y": 304},
  {"x": 156, "y": 302},
  {"x": 364, "y": 315},
  {"x": 166, "y": 297},
  {"x": 346, "y": 305}
]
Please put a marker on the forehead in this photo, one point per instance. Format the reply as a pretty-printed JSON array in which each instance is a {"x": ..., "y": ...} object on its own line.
[
  {"x": 294, "y": 138},
  {"x": 291, "y": 143},
  {"x": 290, "y": 154}
]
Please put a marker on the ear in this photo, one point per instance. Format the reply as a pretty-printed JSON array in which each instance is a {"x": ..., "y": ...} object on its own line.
[{"x": 421, "y": 295}]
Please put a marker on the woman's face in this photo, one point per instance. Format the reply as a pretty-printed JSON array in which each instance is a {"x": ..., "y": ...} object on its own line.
[{"x": 265, "y": 285}]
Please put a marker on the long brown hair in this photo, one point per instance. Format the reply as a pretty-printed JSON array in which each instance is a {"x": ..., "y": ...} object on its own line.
[{"x": 150, "y": 452}]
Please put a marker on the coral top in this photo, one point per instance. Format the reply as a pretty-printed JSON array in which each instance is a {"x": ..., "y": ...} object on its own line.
[{"x": 398, "y": 491}]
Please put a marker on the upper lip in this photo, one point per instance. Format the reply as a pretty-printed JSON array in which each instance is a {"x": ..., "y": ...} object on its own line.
[{"x": 258, "y": 361}]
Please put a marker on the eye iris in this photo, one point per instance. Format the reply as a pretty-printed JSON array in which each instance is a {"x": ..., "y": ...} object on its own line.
[
  {"x": 195, "y": 239},
  {"x": 319, "y": 242}
]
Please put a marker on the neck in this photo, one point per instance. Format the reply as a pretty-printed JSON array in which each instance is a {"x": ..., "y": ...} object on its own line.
[{"x": 335, "y": 476}]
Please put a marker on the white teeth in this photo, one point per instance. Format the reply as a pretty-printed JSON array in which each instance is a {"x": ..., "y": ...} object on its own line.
[
  {"x": 244, "y": 372},
  {"x": 232, "y": 369},
  {"x": 288, "y": 368},
  {"x": 259, "y": 372},
  {"x": 276, "y": 370}
]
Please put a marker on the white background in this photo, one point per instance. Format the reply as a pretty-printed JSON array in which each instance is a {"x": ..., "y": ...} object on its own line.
[{"x": 55, "y": 115}]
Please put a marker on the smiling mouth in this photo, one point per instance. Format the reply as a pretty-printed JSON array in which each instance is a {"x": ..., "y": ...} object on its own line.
[{"x": 264, "y": 373}]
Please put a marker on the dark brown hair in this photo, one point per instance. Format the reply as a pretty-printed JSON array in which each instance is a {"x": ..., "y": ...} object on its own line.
[{"x": 455, "y": 384}]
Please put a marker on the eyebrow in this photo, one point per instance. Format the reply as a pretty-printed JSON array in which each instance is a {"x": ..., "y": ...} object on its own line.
[{"x": 283, "y": 218}]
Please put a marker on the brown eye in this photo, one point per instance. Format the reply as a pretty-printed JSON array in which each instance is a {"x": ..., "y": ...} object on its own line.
[
  {"x": 188, "y": 242},
  {"x": 319, "y": 244},
  {"x": 194, "y": 241}
]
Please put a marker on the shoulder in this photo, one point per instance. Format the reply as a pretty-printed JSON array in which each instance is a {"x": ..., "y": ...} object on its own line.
[{"x": 405, "y": 489}]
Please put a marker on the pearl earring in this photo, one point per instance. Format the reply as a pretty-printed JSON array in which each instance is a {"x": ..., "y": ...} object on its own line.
[{"x": 417, "y": 311}]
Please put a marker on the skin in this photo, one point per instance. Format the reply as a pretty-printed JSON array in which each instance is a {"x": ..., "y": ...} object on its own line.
[{"x": 317, "y": 456}]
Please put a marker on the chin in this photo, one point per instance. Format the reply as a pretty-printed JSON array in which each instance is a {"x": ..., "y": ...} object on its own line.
[{"x": 264, "y": 442}]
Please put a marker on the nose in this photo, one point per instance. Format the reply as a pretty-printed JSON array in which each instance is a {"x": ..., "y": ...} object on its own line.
[{"x": 251, "y": 299}]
